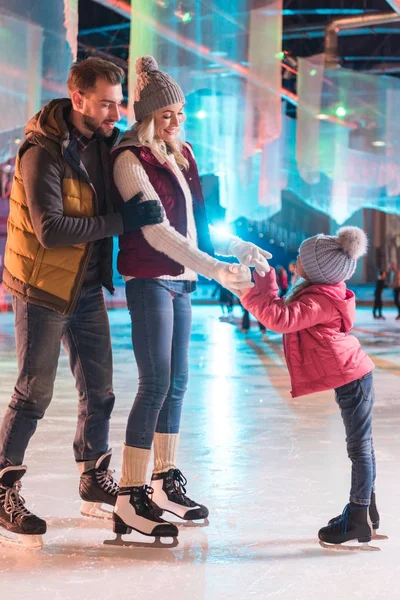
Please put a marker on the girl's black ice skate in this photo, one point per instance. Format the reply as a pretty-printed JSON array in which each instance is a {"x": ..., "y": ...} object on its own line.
[{"x": 352, "y": 525}]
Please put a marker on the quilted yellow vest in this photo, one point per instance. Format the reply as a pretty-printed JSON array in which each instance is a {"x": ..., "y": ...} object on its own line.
[{"x": 50, "y": 277}]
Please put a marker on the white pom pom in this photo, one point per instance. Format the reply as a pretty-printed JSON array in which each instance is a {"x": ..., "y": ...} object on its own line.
[
  {"x": 145, "y": 64},
  {"x": 353, "y": 241}
]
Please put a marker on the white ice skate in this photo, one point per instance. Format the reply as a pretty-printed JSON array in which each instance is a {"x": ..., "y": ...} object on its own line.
[
  {"x": 134, "y": 510},
  {"x": 170, "y": 496}
]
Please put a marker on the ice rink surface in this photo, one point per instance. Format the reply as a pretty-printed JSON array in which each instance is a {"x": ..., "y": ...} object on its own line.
[{"x": 272, "y": 471}]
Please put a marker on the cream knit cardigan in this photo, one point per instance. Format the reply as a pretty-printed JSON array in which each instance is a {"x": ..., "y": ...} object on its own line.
[{"x": 130, "y": 179}]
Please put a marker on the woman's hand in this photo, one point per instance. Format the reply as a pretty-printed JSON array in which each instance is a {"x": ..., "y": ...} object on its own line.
[
  {"x": 251, "y": 255},
  {"x": 233, "y": 277}
]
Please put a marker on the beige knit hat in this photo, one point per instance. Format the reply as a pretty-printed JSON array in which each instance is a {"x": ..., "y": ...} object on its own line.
[
  {"x": 154, "y": 89},
  {"x": 330, "y": 259}
]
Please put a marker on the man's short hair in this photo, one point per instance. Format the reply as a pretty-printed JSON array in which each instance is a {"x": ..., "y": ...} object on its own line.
[{"x": 83, "y": 75}]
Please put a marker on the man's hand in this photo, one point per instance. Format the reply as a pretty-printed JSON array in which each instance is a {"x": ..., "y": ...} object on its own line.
[
  {"x": 136, "y": 214},
  {"x": 251, "y": 255},
  {"x": 234, "y": 277}
]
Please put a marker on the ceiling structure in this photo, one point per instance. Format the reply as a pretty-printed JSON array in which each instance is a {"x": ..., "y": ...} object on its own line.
[{"x": 104, "y": 29}]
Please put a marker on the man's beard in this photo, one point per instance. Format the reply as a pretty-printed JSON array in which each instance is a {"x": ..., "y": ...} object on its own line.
[{"x": 93, "y": 125}]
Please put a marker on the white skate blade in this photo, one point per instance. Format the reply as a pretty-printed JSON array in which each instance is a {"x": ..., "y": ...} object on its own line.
[
  {"x": 362, "y": 547},
  {"x": 95, "y": 510},
  {"x": 157, "y": 543},
  {"x": 203, "y": 523},
  {"x": 378, "y": 536},
  {"x": 24, "y": 542}
]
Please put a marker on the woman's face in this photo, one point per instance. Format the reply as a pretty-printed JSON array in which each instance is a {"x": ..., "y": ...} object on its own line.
[
  {"x": 167, "y": 122},
  {"x": 299, "y": 269}
]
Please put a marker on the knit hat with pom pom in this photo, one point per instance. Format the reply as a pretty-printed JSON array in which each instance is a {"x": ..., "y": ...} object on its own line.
[
  {"x": 329, "y": 259},
  {"x": 154, "y": 89}
]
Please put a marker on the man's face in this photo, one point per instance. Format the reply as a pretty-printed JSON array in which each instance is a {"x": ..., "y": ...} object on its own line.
[{"x": 100, "y": 107}]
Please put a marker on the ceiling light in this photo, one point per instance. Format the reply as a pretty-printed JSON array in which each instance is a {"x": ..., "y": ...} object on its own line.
[{"x": 341, "y": 111}]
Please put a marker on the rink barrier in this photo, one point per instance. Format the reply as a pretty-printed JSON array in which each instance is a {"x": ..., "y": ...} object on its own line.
[{"x": 203, "y": 296}]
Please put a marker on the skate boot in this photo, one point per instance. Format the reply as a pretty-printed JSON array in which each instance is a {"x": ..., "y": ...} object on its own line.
[
  {"x": 134, "y": 510},
  {"x": 373, "y": 514},
  {"x": 97, "y": 486},
  {"x": 170, "y": 496},
  {"x": 351, "y": 525},
  {"x": 14, "y": 516}
]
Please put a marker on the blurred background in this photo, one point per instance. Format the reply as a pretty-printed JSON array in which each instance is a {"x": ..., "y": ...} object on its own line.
[{"x": 291, "y": 105}]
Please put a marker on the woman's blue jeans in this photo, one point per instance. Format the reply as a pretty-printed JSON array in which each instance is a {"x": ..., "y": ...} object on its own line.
[{"x": 161, "y": 316}]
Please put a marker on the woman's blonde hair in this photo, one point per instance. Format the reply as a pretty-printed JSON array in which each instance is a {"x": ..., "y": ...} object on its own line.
[
  {"x": 299, "y": 286},
  {"x": 147, "y": 136}
]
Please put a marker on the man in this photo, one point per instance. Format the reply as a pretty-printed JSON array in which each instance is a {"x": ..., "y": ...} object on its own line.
[{"x": 58, "y": 256}]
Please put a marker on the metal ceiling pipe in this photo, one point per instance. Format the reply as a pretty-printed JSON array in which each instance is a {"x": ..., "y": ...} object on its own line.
[
  {"x": 333, "y": 30},
  {"x": 384, "y": 69},
  {"x": 310, "y": 32}
]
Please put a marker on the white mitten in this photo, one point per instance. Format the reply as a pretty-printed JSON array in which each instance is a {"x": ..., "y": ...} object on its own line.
[
  {"x": 251, "y": 255},
  {"x": 236, "y": 277}
]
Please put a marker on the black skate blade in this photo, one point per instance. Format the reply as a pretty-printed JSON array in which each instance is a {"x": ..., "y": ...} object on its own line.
[
  {"x": 118, "y": 541},
  {"x": 194, "y": 524},
  {"x": 363, "y": 547}
]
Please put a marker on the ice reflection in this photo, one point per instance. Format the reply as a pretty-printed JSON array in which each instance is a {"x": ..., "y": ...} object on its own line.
[{"x": 222, "y": 427}]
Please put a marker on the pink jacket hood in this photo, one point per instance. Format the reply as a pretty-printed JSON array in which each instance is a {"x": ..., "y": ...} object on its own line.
[{"x": 343, "y": 299}]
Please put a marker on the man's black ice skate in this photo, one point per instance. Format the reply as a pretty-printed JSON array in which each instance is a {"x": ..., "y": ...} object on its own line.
[
  {"x": 170, "y": 496},
  {"x": 97, "y": 486},
  {"x": 351, "y": 525},
  {"x": 14, "y": 516},
  {"x": 135, "y": 510}
]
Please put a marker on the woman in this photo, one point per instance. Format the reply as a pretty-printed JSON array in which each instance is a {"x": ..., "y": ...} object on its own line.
[{"x": 159, "y": 265}]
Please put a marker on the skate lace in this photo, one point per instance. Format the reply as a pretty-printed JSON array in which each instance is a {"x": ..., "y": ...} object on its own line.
[
  {"x": 106, "y": 480},
  {"x": 342, "y": 521},
  {"x": 14, "y": 503},
  {"x": 179, "y": 482},
  {"x": 147, "y": 499}
]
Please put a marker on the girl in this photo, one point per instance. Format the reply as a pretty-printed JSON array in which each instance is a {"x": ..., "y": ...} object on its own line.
[
  {"x": 316, "y": 318},
  {"x": 159, "y": 265}
]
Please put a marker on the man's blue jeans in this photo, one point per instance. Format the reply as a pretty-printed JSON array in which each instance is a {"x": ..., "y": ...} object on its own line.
[
  {"x": 86, "y": 337},
  {"x": 356, "y": 400},
  {"x": 161, "y": 317}
]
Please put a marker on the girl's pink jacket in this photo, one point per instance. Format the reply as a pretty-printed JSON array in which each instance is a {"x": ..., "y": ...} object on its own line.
[{"x": 320, "y": 352}]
